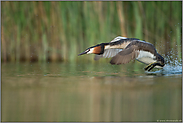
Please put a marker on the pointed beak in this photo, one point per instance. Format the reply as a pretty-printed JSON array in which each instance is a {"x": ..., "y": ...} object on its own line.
[{"x": 82, "y": 53}]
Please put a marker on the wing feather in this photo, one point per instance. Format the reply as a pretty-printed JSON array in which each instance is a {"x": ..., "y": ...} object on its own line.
[
  {"x": 125, "y": 55},
  {"x": 131, "y": 52},
  {"x": 108, "y": 53}
]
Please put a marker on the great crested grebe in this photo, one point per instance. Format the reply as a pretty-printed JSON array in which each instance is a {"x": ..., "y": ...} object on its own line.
[{"x": 123, "y": 50}]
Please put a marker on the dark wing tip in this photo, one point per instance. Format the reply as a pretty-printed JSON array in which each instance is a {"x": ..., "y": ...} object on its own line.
[
  {"x": 115, "y": 60},
  {"x": 112, "y": 62}
]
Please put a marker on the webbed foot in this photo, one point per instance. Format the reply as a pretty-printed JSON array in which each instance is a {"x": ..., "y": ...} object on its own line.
[{"x": 152, "y": 65}]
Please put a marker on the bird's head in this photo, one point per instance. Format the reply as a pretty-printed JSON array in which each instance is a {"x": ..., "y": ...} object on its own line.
[
  {"x": 160, "y": 59},
  {"x": 97, "y": 49}
]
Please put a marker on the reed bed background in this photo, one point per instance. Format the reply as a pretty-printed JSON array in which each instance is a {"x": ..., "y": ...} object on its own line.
[{"x": 59, "y": 31}]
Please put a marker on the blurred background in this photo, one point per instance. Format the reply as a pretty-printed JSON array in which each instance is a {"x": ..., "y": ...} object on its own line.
[
  {"x": 58, "y": 31},
  {"x": 44, "y": 79}
]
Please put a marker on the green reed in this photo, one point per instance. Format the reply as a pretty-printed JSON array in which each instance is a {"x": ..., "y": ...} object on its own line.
[{"x": 58, "y": 31}]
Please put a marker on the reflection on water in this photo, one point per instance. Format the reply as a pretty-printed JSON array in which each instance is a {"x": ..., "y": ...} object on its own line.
[{"x": 89, "y": 92}]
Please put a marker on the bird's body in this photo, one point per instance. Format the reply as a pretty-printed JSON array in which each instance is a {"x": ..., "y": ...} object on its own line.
[{"x": 123, "y": 50}]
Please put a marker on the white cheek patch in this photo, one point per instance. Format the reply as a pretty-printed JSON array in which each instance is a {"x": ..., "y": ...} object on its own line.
[{"x": 91, "y": 51}]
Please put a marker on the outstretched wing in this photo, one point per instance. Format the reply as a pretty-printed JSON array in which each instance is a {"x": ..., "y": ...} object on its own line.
[
  {"x": 132, "y": 51},
  {"x": 125, "y": 55},
  {"x": 115, "y": 46},
  {"x": 108, "y": 53}
]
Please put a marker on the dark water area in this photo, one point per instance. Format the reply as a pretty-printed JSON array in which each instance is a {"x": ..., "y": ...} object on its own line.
[{"x": 90, "y": 92}]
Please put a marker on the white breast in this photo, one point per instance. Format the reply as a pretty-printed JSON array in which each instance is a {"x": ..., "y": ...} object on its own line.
[{"x": 146, "y": 57}]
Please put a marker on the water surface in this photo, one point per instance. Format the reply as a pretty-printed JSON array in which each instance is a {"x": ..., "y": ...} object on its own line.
[{"x": 90, "y": 92}]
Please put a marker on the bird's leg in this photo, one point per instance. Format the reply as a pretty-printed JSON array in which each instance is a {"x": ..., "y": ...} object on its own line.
[{"x": 151, "y": 64}]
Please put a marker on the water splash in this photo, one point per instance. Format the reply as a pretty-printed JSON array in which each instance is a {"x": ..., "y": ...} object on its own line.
[{"x": 173, "y": 65}]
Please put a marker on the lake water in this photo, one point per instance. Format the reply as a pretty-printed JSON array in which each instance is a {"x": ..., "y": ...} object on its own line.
[{"x": 90, "y": 92}]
